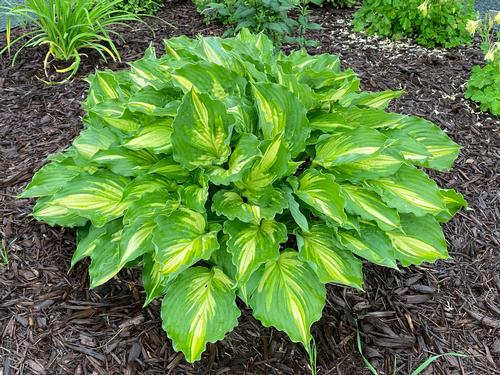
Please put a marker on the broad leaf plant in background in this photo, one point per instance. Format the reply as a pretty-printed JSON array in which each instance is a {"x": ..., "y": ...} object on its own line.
[
  {"x": 431, "y": 23},
  {"x": 484, "y": 83},
  {"x": 229, "y": 171}
]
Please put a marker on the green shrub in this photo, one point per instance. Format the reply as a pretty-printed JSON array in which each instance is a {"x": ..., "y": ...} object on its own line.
[
  {"x": 228, "y": 170},
  {"x": 336, "y": 3},
  {"x": 269, "y": 16},
  {"x": 67, "y": 28},
  {"x": 484, "y": 83},
  {"x": 140, "y": 6},
  {"x": 431, "y": 22}
]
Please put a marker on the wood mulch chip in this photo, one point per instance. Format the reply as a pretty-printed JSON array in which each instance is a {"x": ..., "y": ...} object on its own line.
[{"x": 51, "y": 323}]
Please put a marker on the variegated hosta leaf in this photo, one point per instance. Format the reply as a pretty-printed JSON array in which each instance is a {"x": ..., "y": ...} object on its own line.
[
  {"x": 199, "y": 307},
  {"x": 207, "y": 77},
  {"x": 105, "y": 258},
  {"x": 125, "y": 162},
  {"x": 149, "y": 72},
  {"x": 348, "y": 146},
  {"x": 280, "y": 112},
  {"x": 369, "y": 206},
  {"x": 453, "y": 201},
  {"x": 295, "y": 211},
  {"x": 147, "y": 183},
  {"x": 408, "y": 147},
  {"x": 320, "y": 191},
  {"x": 272, "y": 166},
  {"x": 154, "y": 136},
  {"x": 154, "y": 102},
  {"x": 376, "y": 166},
  {"x": 97, "y": 197},
  {"x": 170, "y": 169},
  {"x": 443, "y": 150},
  {"x": 53, "y": 214},
  {"x": 150, "y": 204},
  {"x": 252, "y": 244},
  {"x": 421, "y": 240},
  {"x": 153, "y": 281},
  {"x": 331, "y": 263},
  {"x": 195, "y": 195},
  {"x": 289, "y": 297},
  {"x": 202, "y": 130},
  {"x": 50, "y": 179},
  {"x": 183, "y": 238},
  {"x": 370, "y": 243},
  {"x": 94, "y": 139},
  {"x": 90, "y": 238},
  {"x": 379, "y": 100},
  {"x": 242, "y": 158},
  {"x": 410, "y": 191},
  {"x": 103, "y": 86},
  {"x": 233, "y": 206}
]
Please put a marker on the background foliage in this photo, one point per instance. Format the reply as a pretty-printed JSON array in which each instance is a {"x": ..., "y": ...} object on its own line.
[
  {"x": 140, "y": 6},
  {"x": 431, "y": 22},
  {"x": 484, "y": 84}
]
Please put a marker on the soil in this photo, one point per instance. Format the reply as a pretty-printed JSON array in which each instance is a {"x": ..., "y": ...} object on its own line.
[{"x": 51, "y": 323}]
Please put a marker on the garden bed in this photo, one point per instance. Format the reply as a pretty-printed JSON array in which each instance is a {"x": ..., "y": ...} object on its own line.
[{"x": 51, "y": 323}]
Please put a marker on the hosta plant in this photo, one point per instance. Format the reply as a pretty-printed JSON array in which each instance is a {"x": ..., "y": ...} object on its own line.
[{"x": 230, "y": 171}]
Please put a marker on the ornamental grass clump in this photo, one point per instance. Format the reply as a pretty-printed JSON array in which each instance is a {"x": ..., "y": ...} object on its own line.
[
  {"x": 229, "y": 171},
  {"x": 67, "y": 29}
]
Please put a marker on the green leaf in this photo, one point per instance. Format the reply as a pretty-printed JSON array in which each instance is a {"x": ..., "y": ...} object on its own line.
[
  {"x": 53, "y": 214},
  {"x": 136, "y": 240},
  {"x": 201, "y": 132},
  {"x": 49, "y": 180},
  {"x": 252, "y": 244},
  {"x": 199, "y": 307},
  {"x": 94, "y": 139},
  {"x": 209, "y": 78},
  {"x": 266, "y": 170},
  {"x": 409, "y": 191},
  {"x": 320, "y": 191},
  {"x": 195, "y": 196},
  {"x": 297, "y": 214},
  {"x": 348, "y": 146},
  {"x": 233, "y": 206},
  {"x": 375, "y": 166},
  {"x": 242, "y": 158},
  {"x": 421, "y": 240},
  {"x": 170, "y": 169},
  {"x": 289, "y": 297},
  {"x": 331, "y": 263},
  {"x": 89, "y": 238},
  {"x": 155, "y": 136},
  {"x": 379, "y": 100},
  {"x": 152, "y": 279},
  {"x": 454, "y": 202},
  {"x": 154, "y": 102},
  {"x": 443, "y": 150},
  {"x": 105, "y": 259},
  {"x": 181, "y": 239},
  {"x": 370, "y": 243},
  {"x": 97, "y": 197},
  {"x": 369, "y": 206},
  {"x": 280, "y": 112},
  {"x": 125, "y": 162}
]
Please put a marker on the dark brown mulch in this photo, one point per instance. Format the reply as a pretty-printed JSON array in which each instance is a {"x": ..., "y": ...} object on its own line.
[{"x": 50, "y": 323}]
